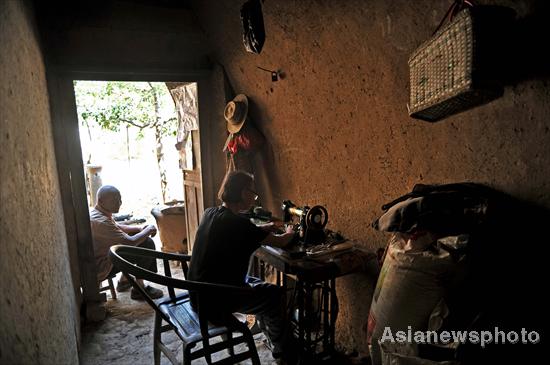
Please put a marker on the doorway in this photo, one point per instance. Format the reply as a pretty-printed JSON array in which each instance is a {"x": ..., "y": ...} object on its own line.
[
  {"x": 70, "y": 164},
  {"x": 143, "y": 138}
]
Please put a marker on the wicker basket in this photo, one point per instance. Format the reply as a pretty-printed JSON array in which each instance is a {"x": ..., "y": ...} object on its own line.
[{"x": 452, "y": 72}]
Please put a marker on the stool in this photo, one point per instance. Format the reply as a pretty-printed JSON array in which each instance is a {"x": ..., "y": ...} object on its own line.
[{"x": 110, "y": 286}]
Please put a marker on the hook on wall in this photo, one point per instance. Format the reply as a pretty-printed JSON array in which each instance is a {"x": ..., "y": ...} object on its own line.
[{"x": 275, "y": 75}]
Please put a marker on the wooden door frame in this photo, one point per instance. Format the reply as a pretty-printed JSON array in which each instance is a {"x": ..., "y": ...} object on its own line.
[{"x": 68, "y": 154}]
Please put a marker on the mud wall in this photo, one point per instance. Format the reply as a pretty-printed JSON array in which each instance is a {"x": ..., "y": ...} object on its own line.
[
  {"x": 122, "y": 38},
  {"x": 337, "y": 128},
  {"x": 38, "y": 314}
]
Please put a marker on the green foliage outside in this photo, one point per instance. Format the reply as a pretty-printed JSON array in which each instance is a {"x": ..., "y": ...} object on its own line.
[
  {"x": 117, "y": 104},
  {"x": 112, "y": 104}
]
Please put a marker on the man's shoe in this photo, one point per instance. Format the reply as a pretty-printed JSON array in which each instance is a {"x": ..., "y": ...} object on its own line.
[
  {"x": 154, "y": 293},
  {"x": 123, "y": 286}
]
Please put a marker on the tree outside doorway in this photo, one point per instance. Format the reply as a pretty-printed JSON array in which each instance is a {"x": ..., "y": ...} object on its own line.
[{"x": 129, "y": 130}]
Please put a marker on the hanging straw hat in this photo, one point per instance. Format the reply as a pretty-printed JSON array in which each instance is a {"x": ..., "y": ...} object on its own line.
[{"x": 235, "y": 113}]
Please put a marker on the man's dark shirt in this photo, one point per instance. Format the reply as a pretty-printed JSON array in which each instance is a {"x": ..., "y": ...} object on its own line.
[{"x": 223, "y": 246}]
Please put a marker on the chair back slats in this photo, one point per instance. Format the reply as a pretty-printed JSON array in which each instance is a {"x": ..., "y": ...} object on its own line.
[
  {"x": 185, "y": 268},
  {"x": 168, "y": 273},
  {"x": 176, "y": 310}
]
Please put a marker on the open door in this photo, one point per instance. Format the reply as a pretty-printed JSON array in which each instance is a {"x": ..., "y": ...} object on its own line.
[
  {"x": 192, "y": 185},
  {"x": 186, "y": 100}
]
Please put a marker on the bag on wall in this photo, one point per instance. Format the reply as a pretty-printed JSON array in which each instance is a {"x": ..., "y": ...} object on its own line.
[{"x": 253, "y": 26}]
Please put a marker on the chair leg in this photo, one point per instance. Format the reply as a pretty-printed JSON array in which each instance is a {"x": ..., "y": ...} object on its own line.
[
  {"x": 157, "y": 338},
  {"x": 227, "y": 337},
  {"x": 252, "y": 348},
  {"x": 207, "y": 353},
  {"x": 187, "y": 356},
  {"x": 112, "y": 288},
  {"x": 254, "y": 354}
]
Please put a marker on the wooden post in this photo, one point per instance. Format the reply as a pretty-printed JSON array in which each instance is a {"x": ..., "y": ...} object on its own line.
[{"x": 73, "y": 189}]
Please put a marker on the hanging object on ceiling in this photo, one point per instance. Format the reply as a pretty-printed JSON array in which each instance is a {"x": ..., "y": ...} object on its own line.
[{"x": 253, "y": 26}]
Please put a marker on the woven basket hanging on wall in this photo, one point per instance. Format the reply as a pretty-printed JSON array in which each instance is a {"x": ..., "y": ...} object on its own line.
[{"x": 454, "y": 70}]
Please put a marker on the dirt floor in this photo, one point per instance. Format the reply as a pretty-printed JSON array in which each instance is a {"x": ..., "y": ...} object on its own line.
[{"x": 125, "y": 337}]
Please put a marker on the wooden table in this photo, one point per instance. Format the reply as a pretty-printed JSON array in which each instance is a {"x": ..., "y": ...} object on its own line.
[{"x": 314, "y": 303}]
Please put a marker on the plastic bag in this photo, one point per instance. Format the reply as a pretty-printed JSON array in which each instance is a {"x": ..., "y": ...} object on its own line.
[{"x": 253, "y": 26}]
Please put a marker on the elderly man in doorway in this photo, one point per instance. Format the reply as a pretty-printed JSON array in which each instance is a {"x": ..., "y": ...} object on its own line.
[{"x": 106, "y": 233}]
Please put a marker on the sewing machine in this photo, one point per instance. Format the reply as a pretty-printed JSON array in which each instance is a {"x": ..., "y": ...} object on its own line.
[
  {"x": 312, "y": 264},
  {"x": 311, "y": 238},
  {"x": 311, "y": 222}
]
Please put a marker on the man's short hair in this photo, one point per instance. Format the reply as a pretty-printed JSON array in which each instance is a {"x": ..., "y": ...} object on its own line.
[
  {"x": 106, "y": 191},
  {"x": 233, "y": 186}
]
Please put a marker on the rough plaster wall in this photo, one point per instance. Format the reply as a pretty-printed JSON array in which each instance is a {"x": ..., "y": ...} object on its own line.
[
  {"x": 37, "y": 305},
  {"x": 337, "y": 124},
  {"x": 121, "y": 36}
]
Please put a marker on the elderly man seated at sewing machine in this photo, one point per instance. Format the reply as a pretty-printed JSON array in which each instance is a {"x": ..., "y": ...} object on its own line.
[{"x": 224, "y": 243}]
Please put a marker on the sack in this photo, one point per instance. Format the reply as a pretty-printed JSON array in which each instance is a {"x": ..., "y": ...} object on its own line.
[
  {"x": 409, "y": 288},
  {"x": 253, "y": 26},
  {"x": 456, "y": 69}
]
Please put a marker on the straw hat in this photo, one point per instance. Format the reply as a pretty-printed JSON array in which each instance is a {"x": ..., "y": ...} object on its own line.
[{"x": 235, "y": 113}]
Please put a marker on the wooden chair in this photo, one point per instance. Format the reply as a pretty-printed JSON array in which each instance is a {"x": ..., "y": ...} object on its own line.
[
  {"x": 110, "y": 286},
  {"x": 190, "y": 326}
]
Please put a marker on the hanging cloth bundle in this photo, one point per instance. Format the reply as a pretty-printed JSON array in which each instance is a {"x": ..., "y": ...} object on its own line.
[{"x": 253, "y": 26}]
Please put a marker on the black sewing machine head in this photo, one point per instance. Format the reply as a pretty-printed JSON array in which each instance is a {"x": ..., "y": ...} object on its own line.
[{"x": 312, "y": 221}]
